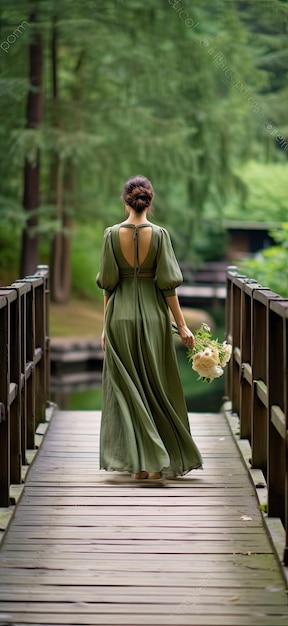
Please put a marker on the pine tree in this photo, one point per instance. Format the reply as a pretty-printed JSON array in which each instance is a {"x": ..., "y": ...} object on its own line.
[{"x": 135, "y": 87}]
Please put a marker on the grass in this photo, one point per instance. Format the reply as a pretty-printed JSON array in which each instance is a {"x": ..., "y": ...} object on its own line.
[
  {"x": 78, "y": 318},
  {"x": 84, "y": 318}
]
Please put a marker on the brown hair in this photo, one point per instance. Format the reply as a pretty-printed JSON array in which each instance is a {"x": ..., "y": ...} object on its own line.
[{"x": 138, "y": 193}]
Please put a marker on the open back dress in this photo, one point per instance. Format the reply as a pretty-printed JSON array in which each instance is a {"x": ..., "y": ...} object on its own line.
[{"x": 144, "y": 424}]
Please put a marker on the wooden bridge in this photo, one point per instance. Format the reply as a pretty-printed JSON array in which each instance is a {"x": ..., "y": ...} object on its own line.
[{"x": 88, "y": 547}]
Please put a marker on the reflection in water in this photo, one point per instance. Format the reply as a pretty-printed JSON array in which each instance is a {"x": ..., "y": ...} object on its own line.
[{"x": 82, "y": 390}]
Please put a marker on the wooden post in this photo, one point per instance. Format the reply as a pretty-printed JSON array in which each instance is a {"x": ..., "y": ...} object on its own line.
[
  {"x": 277, "y": 477},
  {"x": 4, "y": 405},
  {"x": 22, "y": 290},
  {"x": 246, "y": 374},
  {"x": 259, "y": 377},
  {"x": 262, "y": 299},
  {"x": 276, "y": 430},
  {"x": 285, "y": 359},
  {"x": 29, "y": 373},
  {"x": 40, "y": 349},
  {"x": 14, "y": 383},
  {"x": 14, "y": 391},
  {"x": 246, "y": 389},
  {"x": 29, "y": 368},
  {"x": 236, "y": 332},
  {"x": 43, "y": 270},
  {"x": 24, "y": 359},
  {"x": 231, "y": 271},
  {"x": 37, "y": 348},
  {"x": 263, "y": 360},
  {"x": 285, "y": 344}
]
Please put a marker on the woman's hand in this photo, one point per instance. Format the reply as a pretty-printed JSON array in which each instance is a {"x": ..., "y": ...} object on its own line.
[
  {"x": 186, "y": 336},
  {"x": 103, "y": 340}
]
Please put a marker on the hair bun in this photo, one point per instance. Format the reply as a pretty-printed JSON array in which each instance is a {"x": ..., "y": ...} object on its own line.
[
  {"x": 138, "y": 193},
  {"x": 141, "y": 192}
]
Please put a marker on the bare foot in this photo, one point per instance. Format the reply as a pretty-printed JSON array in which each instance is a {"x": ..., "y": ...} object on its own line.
[
  {"x": 141, "y": 475},
  {"x": 155, "y": 475}
]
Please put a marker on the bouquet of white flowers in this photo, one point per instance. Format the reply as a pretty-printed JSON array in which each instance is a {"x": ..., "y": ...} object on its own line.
[{"x": 208, "y": 357}]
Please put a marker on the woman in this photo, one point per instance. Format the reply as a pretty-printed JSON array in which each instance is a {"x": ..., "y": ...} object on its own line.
[{"x": 144, "y": 426}]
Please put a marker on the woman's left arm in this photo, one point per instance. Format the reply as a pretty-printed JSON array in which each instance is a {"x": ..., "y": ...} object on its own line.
[{"x": 105, "y": 301}]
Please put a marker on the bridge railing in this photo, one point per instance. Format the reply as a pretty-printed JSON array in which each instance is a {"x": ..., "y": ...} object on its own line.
[
  {"x": 24, "y": 372},
  {"x": 257, "y": 382}
]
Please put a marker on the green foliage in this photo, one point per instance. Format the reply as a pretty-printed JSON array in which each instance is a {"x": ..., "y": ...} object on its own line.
[
  {"x": 10, "y": 250},
  {"x": 139, "y": 91},
  {"x": 266, "y": 198},
  {"x": 90, "y": 400},
  {"x": 263, "y": 507},
  {"x": 86, "y": 251},
  {"x": 211, "y": 241},
  {"x": 270, "y": 267}
]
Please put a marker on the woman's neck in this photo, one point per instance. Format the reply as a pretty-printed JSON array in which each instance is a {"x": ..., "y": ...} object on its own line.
[{"x": 136, "y": 218}]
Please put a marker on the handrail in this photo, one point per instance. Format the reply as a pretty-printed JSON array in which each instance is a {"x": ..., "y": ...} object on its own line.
[
  {"x": 257, "y": 383},
  {"x": 24, "y": 372}
]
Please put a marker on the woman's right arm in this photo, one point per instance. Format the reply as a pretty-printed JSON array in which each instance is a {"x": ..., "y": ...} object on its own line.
[{"x": 185, "y": 333}]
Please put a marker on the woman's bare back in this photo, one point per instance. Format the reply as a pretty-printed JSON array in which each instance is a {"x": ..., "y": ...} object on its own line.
[{"x": 127, "y": 242}]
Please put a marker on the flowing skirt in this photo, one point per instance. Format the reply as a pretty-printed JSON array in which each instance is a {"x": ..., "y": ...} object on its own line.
[{"x": 144, "y": 423}]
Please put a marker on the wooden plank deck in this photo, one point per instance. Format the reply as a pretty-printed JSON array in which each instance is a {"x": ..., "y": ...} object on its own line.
[{"x": 89, "y": 547}]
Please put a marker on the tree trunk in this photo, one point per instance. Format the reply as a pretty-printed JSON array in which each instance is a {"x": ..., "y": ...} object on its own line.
[
  {"x": 60, "y": 263},
  {"x": 60, "y": 274},
  {"x": 31, "y": 193}
]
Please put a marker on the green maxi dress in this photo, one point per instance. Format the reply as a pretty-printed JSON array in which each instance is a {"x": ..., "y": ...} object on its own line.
[{"x": 144, "y": 424}]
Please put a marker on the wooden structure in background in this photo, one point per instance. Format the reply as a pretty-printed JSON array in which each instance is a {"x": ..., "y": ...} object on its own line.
[
  {"x": 25, "y": 372},
  {"x": 246, "y": 238},
  {"x": 257, "y": 382},
  {"x": 203, "y": 286}
]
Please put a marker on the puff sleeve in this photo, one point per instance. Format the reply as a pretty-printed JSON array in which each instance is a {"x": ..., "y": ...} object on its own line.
[
  {"x": 108, "y": 275},
  {"x": 168, "y": 273}
]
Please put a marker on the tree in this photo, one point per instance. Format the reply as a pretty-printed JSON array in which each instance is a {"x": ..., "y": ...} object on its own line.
[
  {"x": 31, "y": 193},
  {"x": 60, "y": 247},
  {"x": 132, "y": 87},
  {"x": 267, "y": 24}
]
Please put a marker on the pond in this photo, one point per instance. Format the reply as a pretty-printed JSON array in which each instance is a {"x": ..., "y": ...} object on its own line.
[{"x": 200, "y": 397}]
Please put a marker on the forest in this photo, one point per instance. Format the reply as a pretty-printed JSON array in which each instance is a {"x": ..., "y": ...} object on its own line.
[{"x": 191, "y": 94}]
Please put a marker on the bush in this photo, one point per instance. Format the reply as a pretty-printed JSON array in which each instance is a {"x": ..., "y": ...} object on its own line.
[{"x": 270, "y": 267}]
